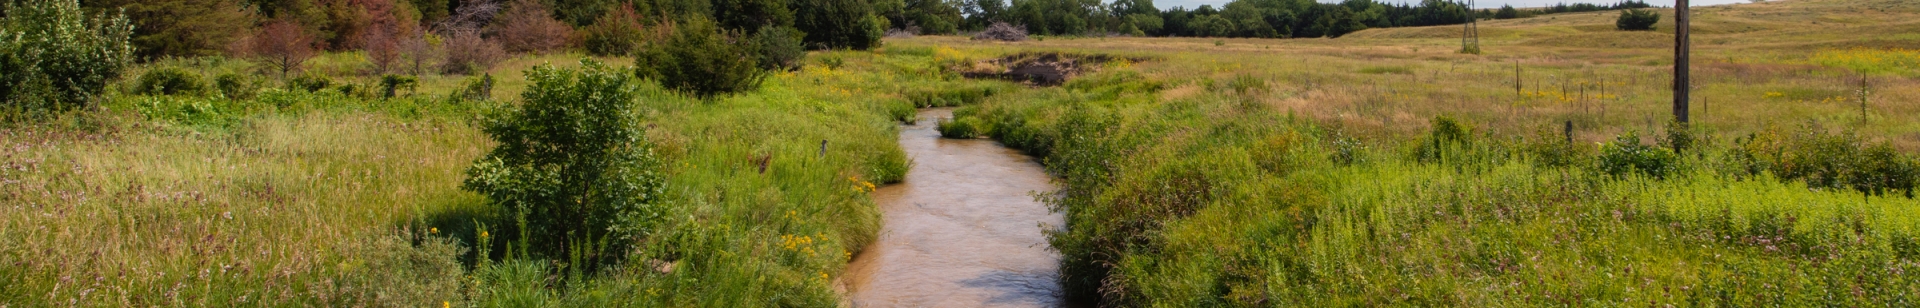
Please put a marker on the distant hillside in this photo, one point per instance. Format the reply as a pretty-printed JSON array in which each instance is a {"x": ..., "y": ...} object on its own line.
[{"x": 1768, "y": 25}]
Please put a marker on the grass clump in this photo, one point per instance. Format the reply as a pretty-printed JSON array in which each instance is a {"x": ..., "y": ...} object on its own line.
[{"x": 961, "y": 128}]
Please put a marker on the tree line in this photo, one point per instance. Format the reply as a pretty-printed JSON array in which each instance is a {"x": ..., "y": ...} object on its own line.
[
  {"x": 1509, "y": 12},
  {"x": 1238, "y": 18}
]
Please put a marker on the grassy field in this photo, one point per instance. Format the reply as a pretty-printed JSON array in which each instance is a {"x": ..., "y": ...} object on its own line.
[{"x": 1381, "y": 168}]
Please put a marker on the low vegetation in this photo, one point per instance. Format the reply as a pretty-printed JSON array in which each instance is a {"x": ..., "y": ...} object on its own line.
[{"x": 729, "y": 166}]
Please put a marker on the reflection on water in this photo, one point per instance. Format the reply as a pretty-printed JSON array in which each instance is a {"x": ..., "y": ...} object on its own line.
[{"x": 963, "y": 230}]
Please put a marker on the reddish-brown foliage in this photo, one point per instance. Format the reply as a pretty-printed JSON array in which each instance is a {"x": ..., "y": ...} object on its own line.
[
  {"x": 387, "y": 25},
  {"x": 528, "y": 26},
  {"x": 468, "y": 53},
  {"x": 283, "y": 45}
]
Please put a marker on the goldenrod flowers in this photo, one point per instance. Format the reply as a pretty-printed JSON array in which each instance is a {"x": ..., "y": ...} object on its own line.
[{"x": 861, "y": 186}]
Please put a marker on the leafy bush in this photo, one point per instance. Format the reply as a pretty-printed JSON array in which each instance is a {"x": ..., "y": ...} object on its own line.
[
  {"x": 1637, "y": 20},
  {"x": 1824, "y": 160},
  {"x": 779, "y": 48},
  {"x": 170, "y": 81},
  {"x": 1446, "y": 136},
  {"x": 390, "y": 85},
  {"x": 838, "y": 24},
  {"x": 1627, "y": 155},
  {"x": 236, "y": 86},
  {"x": 310, "y": 82},
  {"x": 52, "y": 58},
  {"x": 702, "y": 60},
  {"x": 617, "y": 33},
  {"x": 476, "y": 88},
  {"x": 1002, "y": 31},
  {"x": 572, "y": 165}
]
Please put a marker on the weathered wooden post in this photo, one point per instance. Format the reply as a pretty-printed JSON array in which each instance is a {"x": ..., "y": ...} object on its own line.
[{"x": 1681, "y": 48}]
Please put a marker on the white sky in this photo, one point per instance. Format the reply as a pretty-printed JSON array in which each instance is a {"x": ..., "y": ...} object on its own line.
[{"x": 1190, "y": 4}]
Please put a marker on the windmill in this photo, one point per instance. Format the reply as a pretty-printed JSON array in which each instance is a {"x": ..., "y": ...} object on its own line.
[{"x": 1470, "y": 38}]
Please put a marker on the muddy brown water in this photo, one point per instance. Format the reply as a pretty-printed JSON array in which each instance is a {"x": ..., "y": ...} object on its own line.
[{"x": 963, "y": 230}]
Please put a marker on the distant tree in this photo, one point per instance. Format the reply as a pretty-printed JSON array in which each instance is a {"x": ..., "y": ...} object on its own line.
[
  {"x": 1210, "y": 26},
  {"x": 528, "y": 26},
  {"x": 1146, "y": 23},
  {"x": 180, "y": 27},
  {"x": 282, "y": 45},
  {"x": 388, "y": 22},
  {"x": 1637, "y": 20},
  {"x": 931, "y": 16},
  {"x": 419, "y": 50},
  {"x": 835, "y": 24},
  {"x": 466, "y": 52},
  {"x": 1506, "y": 12},
  {"x": 346, "y": 21},
  {"x": 982, "y": 13},
  {"x": 432, "y": 10},
  {"x": 53, "y": 58},
  {"x": 615, "y": 34},
  {"x": 751, "y": 15}
]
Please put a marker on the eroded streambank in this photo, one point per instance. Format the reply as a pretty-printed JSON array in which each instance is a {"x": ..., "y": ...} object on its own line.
[{"x": 963, "y": 230}]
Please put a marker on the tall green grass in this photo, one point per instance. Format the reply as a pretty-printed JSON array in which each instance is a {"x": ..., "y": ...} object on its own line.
[
  {"x": 344, "y": 198},
  {"x": 1206, "y": 201}
]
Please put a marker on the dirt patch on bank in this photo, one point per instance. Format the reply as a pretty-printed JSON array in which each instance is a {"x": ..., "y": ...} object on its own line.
[{"x": 1041, "y": 69}]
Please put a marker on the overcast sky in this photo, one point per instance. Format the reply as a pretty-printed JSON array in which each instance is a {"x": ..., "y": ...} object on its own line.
[{"x": 1167, "y": 4}]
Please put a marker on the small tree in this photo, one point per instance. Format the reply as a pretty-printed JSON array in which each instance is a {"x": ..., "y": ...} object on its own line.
[
  {"x": 528, "y": 26},
  {"x": 701, "y": 59},
  {"x": 615, "y": 34},
  {"x": 572, "y": 164},
  {"x": 1637, "y": 20},
  {"x": 282, "y": 45},
  {"x": 779, "y": 48},
  {"x": 468, "y": 53},
  {"x": 419, "y": 49}
]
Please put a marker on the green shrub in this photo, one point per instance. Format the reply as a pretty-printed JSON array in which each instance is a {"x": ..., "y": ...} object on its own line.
[
  {"x": 390, "y": 85},
  {"x": 1826, "y": 160},
  {"x": 779, "y": 48},
  {"x": 1549, "y": 148},
  {"x": 702, "y": 60},
  {"x": 478, "y": 88},
  {"x": 170, "y": 81},
  {"x": 1447, "y": 135},
  {"x": 236, "y": 86},
  {"x": 572, "y": 166},
  {"x": 309, "y": 82},
  {"x": 53, "y": 58},
  {"x": 1627, "y": 155},
  {"x": 1637, "y": 20}
]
